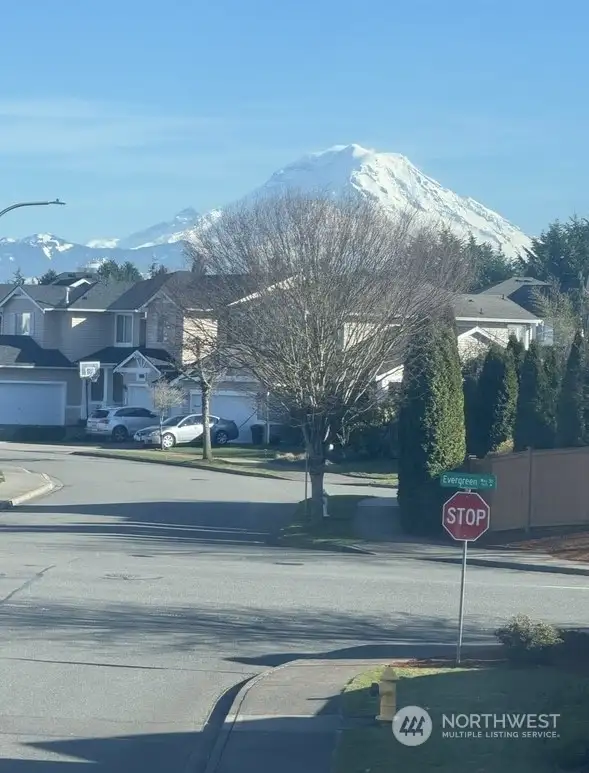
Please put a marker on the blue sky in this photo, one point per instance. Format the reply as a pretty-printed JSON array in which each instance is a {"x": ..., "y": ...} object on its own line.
[{"x": 132, "y": 110}]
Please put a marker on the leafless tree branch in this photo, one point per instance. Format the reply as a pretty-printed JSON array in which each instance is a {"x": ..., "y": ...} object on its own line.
[{"x": 337, "y": 289}]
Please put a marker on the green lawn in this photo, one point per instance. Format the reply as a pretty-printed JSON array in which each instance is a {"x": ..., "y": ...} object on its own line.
[
  {"x": 335, "y": 530},
  {"x": 182, "y": 457},
  {"x": 476, "y": 689}
]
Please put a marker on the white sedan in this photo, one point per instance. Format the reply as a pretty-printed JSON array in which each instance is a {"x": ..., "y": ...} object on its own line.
[{"x": 187, "y": 428}]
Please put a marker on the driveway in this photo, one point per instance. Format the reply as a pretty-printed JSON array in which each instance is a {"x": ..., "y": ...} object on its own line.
[{"x": 132, "y": 598}]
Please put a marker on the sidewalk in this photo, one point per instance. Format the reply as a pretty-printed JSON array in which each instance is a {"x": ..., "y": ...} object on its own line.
[
  {"x": 377, "y": 524},
  {"x": 21, "y": 485},
  {"x": 286, "y": 719}
]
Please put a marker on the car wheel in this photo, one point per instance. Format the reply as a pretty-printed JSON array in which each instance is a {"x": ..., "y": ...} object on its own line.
[
  {"x": 120, "y": 434},
  {"x": 168, "y": 440},
  {"x": 221, "y": 438}
]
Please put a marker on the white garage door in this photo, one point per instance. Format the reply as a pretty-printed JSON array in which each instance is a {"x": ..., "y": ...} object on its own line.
[
  {"x": 39, "y": 403},
  {"x": 239, "y": 408},
  {"x": 139, "y": 396}
]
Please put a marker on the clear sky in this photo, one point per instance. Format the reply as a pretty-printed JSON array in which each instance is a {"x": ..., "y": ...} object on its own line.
[{"x": 132, "y": 110}]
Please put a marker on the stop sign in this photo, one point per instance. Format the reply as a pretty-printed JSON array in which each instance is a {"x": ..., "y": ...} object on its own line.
[{"x": 466, "y": 516}]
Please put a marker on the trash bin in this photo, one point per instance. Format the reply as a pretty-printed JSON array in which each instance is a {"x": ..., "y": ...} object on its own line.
[{"x": 257, "y": 434}]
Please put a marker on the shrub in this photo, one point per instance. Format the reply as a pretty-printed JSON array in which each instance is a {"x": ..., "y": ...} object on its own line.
[
  {"x": 432, "y": 437},
  {"x": 527, "y": 641}
]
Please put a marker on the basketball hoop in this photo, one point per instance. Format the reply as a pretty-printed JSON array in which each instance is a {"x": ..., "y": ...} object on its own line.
[{"x": 90, "y": 371}]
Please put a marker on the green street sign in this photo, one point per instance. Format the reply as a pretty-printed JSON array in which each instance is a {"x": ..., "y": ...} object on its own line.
[{"x": 476, "y": 481}]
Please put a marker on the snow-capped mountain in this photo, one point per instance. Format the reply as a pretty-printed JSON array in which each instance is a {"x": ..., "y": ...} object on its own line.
[
  {"x": 393, "y": 182},
  {"x": 166, "y": 232},
  {"x": 389, "y": 179}
]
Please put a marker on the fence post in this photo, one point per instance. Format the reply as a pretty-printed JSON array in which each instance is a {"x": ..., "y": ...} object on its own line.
[{"x": 530, "y": 489}]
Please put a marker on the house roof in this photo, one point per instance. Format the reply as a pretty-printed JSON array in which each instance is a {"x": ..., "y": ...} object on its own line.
[
  {"x": 522, "y": 290},
  {"x": 486, "y": 306},
  {"x": 511, "y": 286},
  {"x": 114, "y": 355},
  {"x": 24, "y": 350}
]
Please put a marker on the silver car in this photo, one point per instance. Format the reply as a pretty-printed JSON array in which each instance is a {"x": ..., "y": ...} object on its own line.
[
  {"x": 118, "y": 424},
  {"x": 187, "y": 428}
]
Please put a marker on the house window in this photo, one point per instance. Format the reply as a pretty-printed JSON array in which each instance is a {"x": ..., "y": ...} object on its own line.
[
  {"x": 22, "y": 323},
  {"x": 160, "y": 330},
  {"x": 124, "y": 330}
]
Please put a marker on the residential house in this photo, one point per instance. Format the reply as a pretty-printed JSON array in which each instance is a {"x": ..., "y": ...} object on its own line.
[
  {"x": 134, "y": 330},
  {"x": 139, "y": 332},
  {"x": 481, "y": 319}
]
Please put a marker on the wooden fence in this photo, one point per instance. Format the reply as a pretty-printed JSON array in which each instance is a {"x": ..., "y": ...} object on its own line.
[{"x": 538, "y": 489}]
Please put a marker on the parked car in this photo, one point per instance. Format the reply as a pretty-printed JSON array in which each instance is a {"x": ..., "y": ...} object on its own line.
[
  {"x": 118, "y": 424},
  {"x": 187, "y": 428}
]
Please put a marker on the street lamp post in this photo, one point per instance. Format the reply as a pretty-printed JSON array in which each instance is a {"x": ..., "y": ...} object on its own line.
[{"x": 30, "y": 204}]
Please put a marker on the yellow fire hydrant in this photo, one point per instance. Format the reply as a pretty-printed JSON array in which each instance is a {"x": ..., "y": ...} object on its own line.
[{"x": 387, "y": 689}]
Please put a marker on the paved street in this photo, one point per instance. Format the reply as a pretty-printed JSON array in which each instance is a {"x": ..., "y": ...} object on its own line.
[{"x": 134, "y": 596}]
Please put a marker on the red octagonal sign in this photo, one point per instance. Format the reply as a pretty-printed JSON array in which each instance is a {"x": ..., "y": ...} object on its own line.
[{"x": 466, "y": 516}]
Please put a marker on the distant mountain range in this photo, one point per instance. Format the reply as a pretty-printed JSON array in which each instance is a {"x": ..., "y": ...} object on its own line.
[{"x": 389, "y": 179}]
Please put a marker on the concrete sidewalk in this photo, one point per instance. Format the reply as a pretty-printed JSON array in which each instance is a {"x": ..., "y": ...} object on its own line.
[
  {"x": 287, "y": 719},
  {"x": 21, "y": 485},
  {"x": 377, "y": 524}
]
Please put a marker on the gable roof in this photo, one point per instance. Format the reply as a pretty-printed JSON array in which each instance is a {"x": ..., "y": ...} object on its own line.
[
  {"x": 522, "y": 290},
  {"x": 115, "y": 355},
  {"x": 24, "y": 350},
  {"x": 512, "y": 285},
  {"x": 491, "y": 307}
]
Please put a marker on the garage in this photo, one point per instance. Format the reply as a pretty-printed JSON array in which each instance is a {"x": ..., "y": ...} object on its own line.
[
  {"x": 236, "y": 406},
  {"x": 33, "y": 403},
  {"x": 139, "y": 396}
]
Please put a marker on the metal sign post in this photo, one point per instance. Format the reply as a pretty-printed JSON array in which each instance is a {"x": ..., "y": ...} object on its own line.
[
  {"x": 466, "y": 517},
  {"x": 461, "y": 609}
]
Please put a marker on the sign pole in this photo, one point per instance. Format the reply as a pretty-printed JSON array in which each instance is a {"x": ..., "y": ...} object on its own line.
[{"x": 462, "y": 593}]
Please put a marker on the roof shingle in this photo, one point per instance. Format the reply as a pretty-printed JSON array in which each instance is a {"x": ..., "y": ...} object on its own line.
[{"x": 24, "y": 350}]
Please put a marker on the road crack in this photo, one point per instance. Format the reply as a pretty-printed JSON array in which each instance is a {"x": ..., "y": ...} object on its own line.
[{"x": 27, "y": 583}]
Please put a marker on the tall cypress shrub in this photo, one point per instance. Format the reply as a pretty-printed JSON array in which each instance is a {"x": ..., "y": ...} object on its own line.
[
  {"x": 571, "y": 407},
  {"x": 533, "y": 421},
  {"x": 431, "y": 426},
  {"x": 553, "y": 369},
  {"x": 518, "y": 352},
  {"x": 497, "y": 399}
]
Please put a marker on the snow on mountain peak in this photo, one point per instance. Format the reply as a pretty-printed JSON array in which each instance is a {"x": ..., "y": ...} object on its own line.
[{"x": 393, "y": 182}]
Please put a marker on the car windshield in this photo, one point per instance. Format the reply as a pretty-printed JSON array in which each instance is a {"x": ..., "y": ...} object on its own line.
[{"x": 173, "y": 421}]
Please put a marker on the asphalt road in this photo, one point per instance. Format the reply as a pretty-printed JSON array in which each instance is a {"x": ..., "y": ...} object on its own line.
[{"x": 133, "y": 597}]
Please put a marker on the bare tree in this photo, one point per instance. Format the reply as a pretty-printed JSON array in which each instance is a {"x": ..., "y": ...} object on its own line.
[
  {"x": 165, "y": 396},
  {"x": 340, "y": 287},
  {"x": 560, "y": 314},
  {"x": 200, "y": 355}
]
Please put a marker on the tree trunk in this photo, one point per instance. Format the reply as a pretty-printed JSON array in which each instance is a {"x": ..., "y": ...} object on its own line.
[
  {"x": 161, "y": 431},
  {"x": 315, "y": 438},
  {"x": 316, "y": 474},
  {"x": 207, "y": 451}
]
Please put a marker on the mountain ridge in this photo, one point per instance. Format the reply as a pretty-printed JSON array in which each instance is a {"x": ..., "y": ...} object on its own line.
[{"x": 388, "y": 179}]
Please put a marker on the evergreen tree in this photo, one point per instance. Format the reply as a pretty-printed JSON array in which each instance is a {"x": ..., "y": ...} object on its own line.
[
  {"x": 111, "y": 271},
  {"x": 18, "y": 278},
  {"x": 497, "y": 399},
  {"x": 553, "y": 368},
  {"x": 471, "y": 373},
  {"x": 48, "y": 277},
  {"x": 156, "y": 269},
  {"x": 518, "y": 352},
  {"x": 431, "y": 426},
  {"x": 571, "y": 403},
  {"x": 533, "y": 417}
]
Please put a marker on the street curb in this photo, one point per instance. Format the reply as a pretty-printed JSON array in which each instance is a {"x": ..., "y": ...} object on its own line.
[
  {"x": 517, "y": 565},
  {"x": 46, "y": 488},
  {"x": 170, "y": 463},
  {"x": 325, "y": 548},
  {"x": 231, "y": 717}
]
